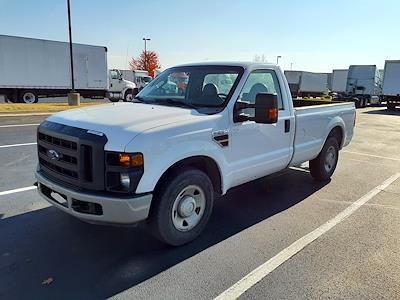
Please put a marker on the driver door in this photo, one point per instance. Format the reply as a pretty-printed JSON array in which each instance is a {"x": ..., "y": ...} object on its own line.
[{"x": 260, "y": 149}]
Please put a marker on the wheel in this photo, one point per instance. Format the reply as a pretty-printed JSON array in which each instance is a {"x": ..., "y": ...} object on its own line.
[
  {"x": 357, "y": 102},
  {"x": 11, "y": 99},
  {"x": 135, "y": 91},
  {"x": 113, "y": 99},
  {"x": 28, "y": 97},
  {"x": 391, "y": 106},
  {"x": 128, "y": 96},
  {"x": 323, "y": 166},
  {"x": 181, "y": 207}
]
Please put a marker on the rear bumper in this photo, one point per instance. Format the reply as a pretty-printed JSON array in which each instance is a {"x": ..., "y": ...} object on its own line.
[{"x": 94, "y": 208}]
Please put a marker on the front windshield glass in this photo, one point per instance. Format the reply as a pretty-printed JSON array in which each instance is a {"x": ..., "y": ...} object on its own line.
[{"x": 196, "y": 86}]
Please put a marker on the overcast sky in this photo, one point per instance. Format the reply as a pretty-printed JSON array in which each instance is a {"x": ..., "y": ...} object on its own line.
[{"x": 312, "y": 35}]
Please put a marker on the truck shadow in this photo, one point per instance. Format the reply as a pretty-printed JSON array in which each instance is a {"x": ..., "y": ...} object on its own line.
[
  {"x": 91, "y": 262},
  {"x": 384, "y": 111}
]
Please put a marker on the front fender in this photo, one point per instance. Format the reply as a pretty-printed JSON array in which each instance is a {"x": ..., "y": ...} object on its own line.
[{"x": 154, "y": 170}]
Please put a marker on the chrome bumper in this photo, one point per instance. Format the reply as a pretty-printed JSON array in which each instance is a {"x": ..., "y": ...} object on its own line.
[{"x": 108, "y": 210}]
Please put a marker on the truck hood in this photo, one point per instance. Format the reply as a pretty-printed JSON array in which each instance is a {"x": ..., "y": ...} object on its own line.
[{"x": 121, "y": 122}]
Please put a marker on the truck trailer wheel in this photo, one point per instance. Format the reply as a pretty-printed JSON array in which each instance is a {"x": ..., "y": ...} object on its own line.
[
  {"x": 182, "y": 206},
  {"x": 323, "y": 166},
  {"x": 29, "y": 97},
  {"x": 391, "y": 106}
]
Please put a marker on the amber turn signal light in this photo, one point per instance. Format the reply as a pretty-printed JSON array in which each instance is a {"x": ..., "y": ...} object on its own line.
[
  {"x": 272, "y": 113},
  {"x": 128, "y": 160}
]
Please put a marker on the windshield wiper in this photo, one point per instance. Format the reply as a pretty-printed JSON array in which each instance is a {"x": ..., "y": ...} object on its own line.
[
  {"x": 176, "y": 102},
  {"x": 138, "y": 98}
]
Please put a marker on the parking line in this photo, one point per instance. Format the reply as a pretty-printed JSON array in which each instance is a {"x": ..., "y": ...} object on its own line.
[
  {"x": 24, "y": 189},
  {"x": 17, "y": 145},
  {"x": 371, "y": 155},
  {"x": 240, "y": 287},
  {"x": 17, "y": 125}
]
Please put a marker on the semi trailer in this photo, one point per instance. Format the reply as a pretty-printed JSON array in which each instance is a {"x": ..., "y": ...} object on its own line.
[
  {"x": 35, "y": 68},
  {"x": 391, "y": 84},
  {"x": 339, "y": 80},
  {"x": 307, "y": 84}
]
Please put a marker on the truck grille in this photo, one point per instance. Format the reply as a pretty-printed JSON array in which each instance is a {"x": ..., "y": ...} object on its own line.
[{"x": 71, "y": 155}]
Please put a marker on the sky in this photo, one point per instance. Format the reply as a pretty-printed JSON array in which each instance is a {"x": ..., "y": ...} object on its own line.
[{"x": 314, "y": 35}]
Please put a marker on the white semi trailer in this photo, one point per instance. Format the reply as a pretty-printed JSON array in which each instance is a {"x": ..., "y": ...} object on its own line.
[
  {"x": 391, "y": 84},
  {"x": 34, "y": 68},
  {"x": 307, "y": 84},
  {"x": 339, "y": 80}
]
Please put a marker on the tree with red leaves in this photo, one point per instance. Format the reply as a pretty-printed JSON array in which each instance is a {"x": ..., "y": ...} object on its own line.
[{"x": 146, "y": 61}]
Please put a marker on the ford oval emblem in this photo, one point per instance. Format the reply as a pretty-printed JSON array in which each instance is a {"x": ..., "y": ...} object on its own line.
[{"x": 53, "y": 155}]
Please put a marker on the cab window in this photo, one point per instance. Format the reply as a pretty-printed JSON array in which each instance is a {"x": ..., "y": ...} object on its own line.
[
  {"x": 114, "y": 74},
  {"x": 261, "y": 81}
]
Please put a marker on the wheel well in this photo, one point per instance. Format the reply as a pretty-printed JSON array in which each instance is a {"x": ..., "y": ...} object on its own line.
[
  {"x": 130, "y": 91},
  {"x": 203, "y": 163},
  {"x": 337, "y": 133}
]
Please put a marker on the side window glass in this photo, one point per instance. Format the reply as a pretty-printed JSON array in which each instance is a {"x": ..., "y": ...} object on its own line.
[
  {"x": 114, "y": 75},
  {"x": 261, "y": 81}
]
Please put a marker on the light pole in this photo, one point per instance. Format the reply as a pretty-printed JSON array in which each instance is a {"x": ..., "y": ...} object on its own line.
[
  {"x": 73, "y": 96},
  {"x": 277, "y": 59},
  {"x": 291, "y": 66},
  {"x": 145, "y": 52}
]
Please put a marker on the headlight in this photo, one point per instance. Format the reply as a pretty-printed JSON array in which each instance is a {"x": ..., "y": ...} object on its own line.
[
  {"x": 125, "y": 181},
  {"x": 123, "y": 171}
]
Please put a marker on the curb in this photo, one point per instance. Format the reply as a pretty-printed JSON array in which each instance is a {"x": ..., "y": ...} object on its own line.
[{"x": 28, "y": 114}]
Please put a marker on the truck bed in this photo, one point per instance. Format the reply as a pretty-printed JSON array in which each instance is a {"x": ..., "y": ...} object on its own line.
[{"x": 314, "y": 120}]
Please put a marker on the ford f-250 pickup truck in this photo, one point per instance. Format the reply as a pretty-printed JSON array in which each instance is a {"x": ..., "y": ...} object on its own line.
[{"x": 165, "y": 156}]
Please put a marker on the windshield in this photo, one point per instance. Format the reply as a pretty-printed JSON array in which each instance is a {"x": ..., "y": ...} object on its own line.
[
  {"x": 147, "y": 79},
  {"x": 193, "y": 86}
]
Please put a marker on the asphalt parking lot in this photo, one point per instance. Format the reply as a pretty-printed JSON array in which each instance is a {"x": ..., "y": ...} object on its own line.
[{"x": 46, "y": 254}]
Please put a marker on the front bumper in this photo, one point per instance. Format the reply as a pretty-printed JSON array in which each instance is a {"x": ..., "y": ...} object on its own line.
[{"x": 93, "y": 208}]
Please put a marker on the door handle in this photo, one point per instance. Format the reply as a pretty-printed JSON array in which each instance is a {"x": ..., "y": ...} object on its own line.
[{"x": 287, "y": 125}]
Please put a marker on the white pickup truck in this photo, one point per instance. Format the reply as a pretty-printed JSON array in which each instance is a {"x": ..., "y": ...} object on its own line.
[{"x": 165, "y": 156}]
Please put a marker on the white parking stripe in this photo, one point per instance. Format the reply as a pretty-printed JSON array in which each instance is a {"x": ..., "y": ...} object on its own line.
[
  {"x": 24, "y": 189},
  {"x": 17, "y": 125},
  {"x": 258, "y": 274},
  {"x": 371, "y": 155},
  {"x": 17, "y": 145}
]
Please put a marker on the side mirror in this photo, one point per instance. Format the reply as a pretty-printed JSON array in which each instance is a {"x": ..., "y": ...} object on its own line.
[{"x": 266, "y": 109}]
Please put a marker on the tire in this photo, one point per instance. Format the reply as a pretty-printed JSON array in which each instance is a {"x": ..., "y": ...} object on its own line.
[
  {"x": 113, "y": 100},
  {"x": 181, "y": 207},
  {"x": 135, "y": 91},
  {"x": 11, "y": 99},
  {"x": 128, "y": 97},
  {"x": 323, "y": 166},
  {"x": 28, "y": 97},
  {"x": 391, "y": 106},
  {"x": 357, "y": 102}
]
